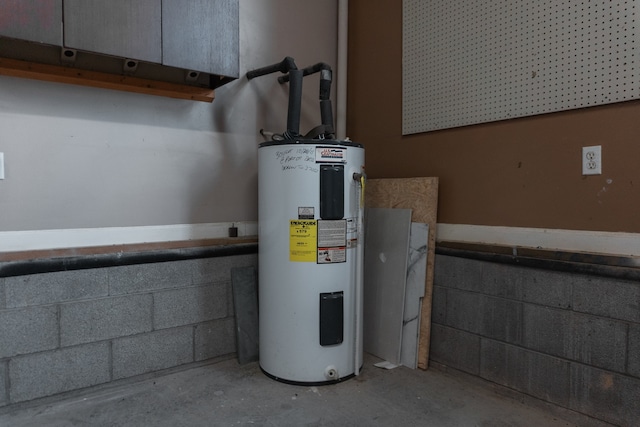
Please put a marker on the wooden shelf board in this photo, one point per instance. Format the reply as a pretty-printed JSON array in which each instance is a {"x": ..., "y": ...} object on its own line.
[{"x": 59, "y": 74}]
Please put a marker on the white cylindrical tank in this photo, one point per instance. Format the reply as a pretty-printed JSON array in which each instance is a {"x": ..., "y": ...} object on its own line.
[{"x": 310, "y": 287}]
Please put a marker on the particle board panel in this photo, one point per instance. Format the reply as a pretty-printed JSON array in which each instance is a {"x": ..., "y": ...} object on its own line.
[{"x": 421, "y": 196}]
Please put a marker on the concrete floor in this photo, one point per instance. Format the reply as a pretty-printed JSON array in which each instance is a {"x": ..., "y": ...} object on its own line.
[{"x": 227, "y": 394}]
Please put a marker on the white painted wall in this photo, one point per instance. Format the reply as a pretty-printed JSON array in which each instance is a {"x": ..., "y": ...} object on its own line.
[{"x": 83, "y": 158}]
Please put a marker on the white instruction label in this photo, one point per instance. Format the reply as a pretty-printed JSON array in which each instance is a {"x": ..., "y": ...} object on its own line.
[{"x": 332, "y": 241}]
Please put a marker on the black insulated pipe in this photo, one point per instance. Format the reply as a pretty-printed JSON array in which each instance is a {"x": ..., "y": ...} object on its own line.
[
  {"x": 284, "y": 66},
  {"x": 326, "y": 108},
  {"x": 295, "y": 105},
  {"x": 311, "y": 69},
  {"x": 295, "y": 77},
  {"x": 326, "y": 116},
  {"x": 287, "y": 65},
  {"x": 325, "y": 84}
]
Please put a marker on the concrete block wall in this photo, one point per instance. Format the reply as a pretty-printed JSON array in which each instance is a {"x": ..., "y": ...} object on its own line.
[
  {"x": 569, "y": 339},
  {"x": 68, "y": 330}
]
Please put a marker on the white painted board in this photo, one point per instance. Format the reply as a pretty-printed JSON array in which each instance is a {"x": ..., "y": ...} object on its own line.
[
  {"x": 467, "y": 62},
  {"x": 385, "y": 273},
  {"x": 414, "y": 292}
]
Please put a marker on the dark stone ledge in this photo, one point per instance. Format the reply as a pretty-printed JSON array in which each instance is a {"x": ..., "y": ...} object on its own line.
[
  {"x": 614, "y": 266},
  {"x": 107, "y": 257}
]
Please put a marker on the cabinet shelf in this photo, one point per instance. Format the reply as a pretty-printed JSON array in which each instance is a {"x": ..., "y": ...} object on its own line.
[{"x": 60, "y": 74}]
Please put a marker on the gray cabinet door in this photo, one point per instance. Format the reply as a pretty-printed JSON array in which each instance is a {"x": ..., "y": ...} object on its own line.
[
  {"x": 125, "y": 28},
  {"x": 201, "y": 35},
  {"x": 34, "y": 20}
]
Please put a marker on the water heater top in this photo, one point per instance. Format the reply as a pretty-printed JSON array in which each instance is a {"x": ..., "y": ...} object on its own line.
[{"x": 312, "y": 141}]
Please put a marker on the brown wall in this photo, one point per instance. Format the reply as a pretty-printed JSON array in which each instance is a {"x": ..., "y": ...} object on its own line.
[{"x": 522, "y": 172}]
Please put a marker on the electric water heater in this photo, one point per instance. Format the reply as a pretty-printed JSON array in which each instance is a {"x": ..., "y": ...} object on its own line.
[{"x": 310, "y": 195}]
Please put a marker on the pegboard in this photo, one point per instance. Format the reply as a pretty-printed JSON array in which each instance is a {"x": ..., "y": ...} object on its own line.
[{"x": 468, "y": 62}]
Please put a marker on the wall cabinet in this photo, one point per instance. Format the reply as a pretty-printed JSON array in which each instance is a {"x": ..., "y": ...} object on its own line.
[
  {"x": 198, "y": 35},
  {"x": 194, "y": 43},
  {"x": 124, "y": 28},
  {"x": 201, "y": 35},
  {"x": 33, "y": 20}
]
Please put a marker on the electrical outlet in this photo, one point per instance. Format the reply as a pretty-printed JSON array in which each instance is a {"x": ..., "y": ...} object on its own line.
[
  {"x": 592, "y": 160},
  {"x": 1, "y": 165}
]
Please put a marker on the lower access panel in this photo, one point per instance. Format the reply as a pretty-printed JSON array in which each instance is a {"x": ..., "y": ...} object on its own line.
[{"x": 331, "y": 318}]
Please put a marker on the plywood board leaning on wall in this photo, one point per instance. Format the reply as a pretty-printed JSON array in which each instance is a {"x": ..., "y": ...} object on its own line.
[{"x": 421, "y": 196}]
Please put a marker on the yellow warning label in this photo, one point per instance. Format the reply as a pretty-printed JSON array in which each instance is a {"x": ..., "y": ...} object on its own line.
[{"x": 303, "y": 235}]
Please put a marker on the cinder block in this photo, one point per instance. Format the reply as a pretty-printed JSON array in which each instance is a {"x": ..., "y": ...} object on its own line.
[
  {"x": 464, "y": 310},
  {"x": 150, "y": 352},
  {"x": 616, "y": 299},
  {"x": 599, "y": 342},
  {"x": 2, "y": 294},
  {"x": 211, "y": 270},
  {"x": 213, "y": 339},
  {"x": 547, "y": 288},
  {"x": 605, "y": 395},
  {"x": 502, "y": 280},
  {"x": 439, "y": 305},
  {"x": 51, "y": 288},
  {"x": 588, "y": 339},
  {"x": 190, "y": 305},
  {"x": 218, "y": 269},
  {"x": 547, "y": 330},
  {"x": 139, "y": 278},
  {"x": 27, "y": 330},
  {"x": 455, "y": 348},
  {"x": 105, "y": 318},
  {"x": 4, "y": 398},
  {"x": 231, "y": 310},
  {"x": 498, "y": 361},
  {"x": 501, "y": 319},
  {"x": 497, "y": 318},
  {"x": 45, "y": 374},
  {"x": 536, "y": 374},
  {"x": 633, "y": 364},
  {"x": 458, "y": 273}
]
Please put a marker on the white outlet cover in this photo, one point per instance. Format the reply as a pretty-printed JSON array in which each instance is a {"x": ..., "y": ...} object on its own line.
[
  {"x": 592, "y": 160},
  {"x": 1, "y": 165}
]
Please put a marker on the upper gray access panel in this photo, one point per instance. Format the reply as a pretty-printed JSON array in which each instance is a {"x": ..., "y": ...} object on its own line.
[
  {"x": 201, "y": 35},
  {"x": 33, "y": 20},
  {"x": 123, "y": 28}
]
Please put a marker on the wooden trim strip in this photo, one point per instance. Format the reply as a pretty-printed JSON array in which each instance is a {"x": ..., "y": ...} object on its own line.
[
  {"x": 598, "y": 242},
  {"x": 58, "y": 74},
  {"x": 123, "y": 248},
  {"x": 77, "y": 238}
]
